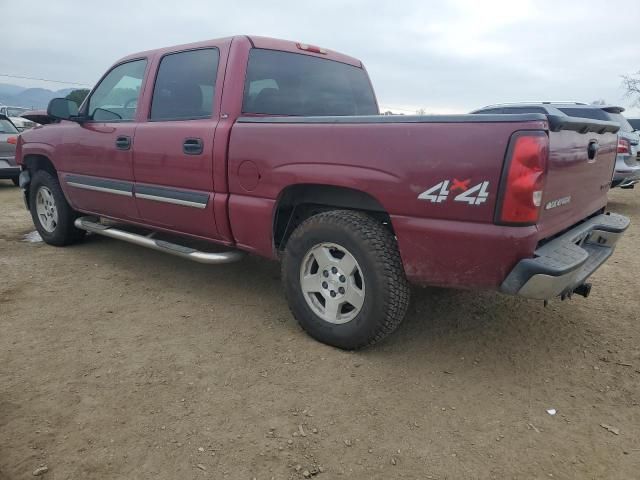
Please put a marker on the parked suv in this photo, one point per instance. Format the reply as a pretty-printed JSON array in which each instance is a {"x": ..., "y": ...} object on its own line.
[
  {"x": 627, "y": 169},
  {"x": 15, "y": 115},
  {"x": 9, "y": 169}
]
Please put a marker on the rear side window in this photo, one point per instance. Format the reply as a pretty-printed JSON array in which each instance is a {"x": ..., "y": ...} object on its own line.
[
  {"x": 488, "y": 111},
  {"x": 592, "y": 113},
  {"x": 514, "y": 110},
  {"x": 625, "y": 126},
  {"x": 185, "y": 85},
  {"x": 282, "y": 83}
]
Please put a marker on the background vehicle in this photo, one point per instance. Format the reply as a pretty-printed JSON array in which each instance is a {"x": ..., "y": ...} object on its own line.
[
  {"x": 277, "y": 148},
  {"x": 9, "y": 169},
  {"x": 635, "y": 123},
  {"x": 14, "y": 114},
  {"x": 627, "y": 169},
  {"x": 39, "y": 117}
]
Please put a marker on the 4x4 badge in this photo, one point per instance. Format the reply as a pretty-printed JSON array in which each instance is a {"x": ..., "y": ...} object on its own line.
[{"x": 439, "y": 193}]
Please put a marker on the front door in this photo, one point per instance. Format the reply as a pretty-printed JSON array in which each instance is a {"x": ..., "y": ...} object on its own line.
[
  {"x": 173, "y": 153},
  {"x": 97, "y": 155}
]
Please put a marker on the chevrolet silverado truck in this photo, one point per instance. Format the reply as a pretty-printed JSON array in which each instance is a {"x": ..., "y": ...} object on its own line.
[{"x": 276, "y": 148}]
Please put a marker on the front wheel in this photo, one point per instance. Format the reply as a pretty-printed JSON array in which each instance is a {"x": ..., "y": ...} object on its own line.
[
  {"x": 344, "y": 280},
  {"x": 52, "y": 215}
]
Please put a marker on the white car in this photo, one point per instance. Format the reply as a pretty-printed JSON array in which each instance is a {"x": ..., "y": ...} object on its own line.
[{"x": 14, "y": 115}]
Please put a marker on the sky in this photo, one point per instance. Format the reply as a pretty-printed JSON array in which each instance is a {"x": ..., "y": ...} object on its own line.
[{"x": 447, "y": 56}]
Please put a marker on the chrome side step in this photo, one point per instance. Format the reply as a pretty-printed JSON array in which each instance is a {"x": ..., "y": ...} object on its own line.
[{"x": 91, "y": 225}]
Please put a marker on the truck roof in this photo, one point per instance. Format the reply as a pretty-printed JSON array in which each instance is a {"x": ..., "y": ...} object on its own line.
[{"x": 256, "y": 42}]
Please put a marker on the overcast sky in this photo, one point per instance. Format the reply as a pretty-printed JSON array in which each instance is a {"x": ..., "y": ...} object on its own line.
[{"x": 446, "y": 56}]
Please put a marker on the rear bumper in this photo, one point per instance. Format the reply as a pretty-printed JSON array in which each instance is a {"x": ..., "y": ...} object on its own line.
[
  {"x": 8, "y": 168},
  {"x": 564, "y": 263},
  {"x": 626, "y": 175}
]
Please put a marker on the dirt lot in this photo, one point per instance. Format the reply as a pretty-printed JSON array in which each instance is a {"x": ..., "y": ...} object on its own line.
[{"x": 119, "y": 362}]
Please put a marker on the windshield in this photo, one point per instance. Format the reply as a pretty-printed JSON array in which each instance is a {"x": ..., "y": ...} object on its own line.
[
  {"x": 625, "y": 126},
  {"x": 6, "y": 126},
  {"x": 15, "y": 111}
]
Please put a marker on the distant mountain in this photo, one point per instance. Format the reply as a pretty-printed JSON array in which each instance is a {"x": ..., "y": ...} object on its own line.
[
  {"x": 8, "y": 89},
  {"x": 36, "y": 98}
]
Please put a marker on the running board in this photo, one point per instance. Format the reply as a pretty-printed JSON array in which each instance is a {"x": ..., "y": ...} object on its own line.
[{"x": 90, "y": 225}]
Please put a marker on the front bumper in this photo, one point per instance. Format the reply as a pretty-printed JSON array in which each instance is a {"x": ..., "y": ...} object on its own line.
[{"x": 564, "y": 263}]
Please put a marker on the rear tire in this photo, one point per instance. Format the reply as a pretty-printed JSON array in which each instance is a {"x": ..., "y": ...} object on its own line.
[
  {"x": 52, "y": 215},
  {"x": 344, "y": 280}
]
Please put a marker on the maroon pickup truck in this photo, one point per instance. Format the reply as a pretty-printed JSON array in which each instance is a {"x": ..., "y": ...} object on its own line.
[{"x": 277, "y": 148}]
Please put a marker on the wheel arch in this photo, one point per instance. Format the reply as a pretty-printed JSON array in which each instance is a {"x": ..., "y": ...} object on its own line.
[
  {"x": 297, "y": 202},
  {"x": 32, "y": 162},
  {"x": 37, "y": 161}
]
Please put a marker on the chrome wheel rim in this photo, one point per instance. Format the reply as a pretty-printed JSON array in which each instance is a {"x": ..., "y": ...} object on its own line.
[
  {"x": 332, "y": 283},
  {"x": 46, "y": 209}
]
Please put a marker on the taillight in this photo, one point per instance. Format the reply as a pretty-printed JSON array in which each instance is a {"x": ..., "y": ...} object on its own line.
[
  {"x": 523, "y": 180},
  {"x": 624, "y": 146},
  {"x": 12, "y": 140}
]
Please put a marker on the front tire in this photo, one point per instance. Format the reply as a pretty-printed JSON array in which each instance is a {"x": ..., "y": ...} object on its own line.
[
  {"x": 344, "y": 280},
  {"x": 52, "y": 215}
]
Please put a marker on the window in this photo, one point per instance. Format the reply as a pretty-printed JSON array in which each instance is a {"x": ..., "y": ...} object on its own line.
[
  {"x": 185, "y": 85},
  {"x": 281, "y": 83},
  {"x": 15, "y": 111},
  {"x": 487, "y": 111},
  {"x": 592, "y": 113},
  {"x": 516, "y": 110},
  {"x": 7, "y": 127},
  {"x": 625, "y": 126},
  {"x": 116, "y": 97}
]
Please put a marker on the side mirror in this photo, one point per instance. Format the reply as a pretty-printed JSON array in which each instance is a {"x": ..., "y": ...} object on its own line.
[{"x": 63, "y": 109}]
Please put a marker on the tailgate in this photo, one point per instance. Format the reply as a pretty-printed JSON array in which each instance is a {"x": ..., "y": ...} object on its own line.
[{"x": 582, "y": 155}]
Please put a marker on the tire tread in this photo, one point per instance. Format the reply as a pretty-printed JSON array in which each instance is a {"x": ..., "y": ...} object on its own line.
[{"x": 379, "y": 240}]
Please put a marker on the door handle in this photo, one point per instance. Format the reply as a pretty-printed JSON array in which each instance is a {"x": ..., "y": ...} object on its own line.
[
  {"x": 123, "y": 142},
  {"x": 192, "y": 146}
]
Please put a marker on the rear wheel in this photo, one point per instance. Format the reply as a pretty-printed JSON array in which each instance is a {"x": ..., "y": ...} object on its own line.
[
  {"x": 344, "y": 280},
  {"x": 52, "y": 215}
]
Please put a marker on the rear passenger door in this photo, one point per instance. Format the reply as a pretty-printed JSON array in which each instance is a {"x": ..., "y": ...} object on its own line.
[{"x": 173, "y": 152}]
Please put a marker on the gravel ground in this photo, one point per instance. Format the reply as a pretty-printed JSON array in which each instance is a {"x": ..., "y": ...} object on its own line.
[{"x": 120, "y": 362}]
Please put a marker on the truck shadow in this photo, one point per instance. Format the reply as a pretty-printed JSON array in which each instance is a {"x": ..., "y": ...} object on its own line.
[
  {"x": 8, "y": 185},
  {"x": 441, "y": 326},
  {"x": 623, "y": 208}
]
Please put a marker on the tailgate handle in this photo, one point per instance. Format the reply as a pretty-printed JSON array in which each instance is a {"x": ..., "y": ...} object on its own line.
[
  {"x": 592, "y": 149},
  {"x": 192, "y": 146}
]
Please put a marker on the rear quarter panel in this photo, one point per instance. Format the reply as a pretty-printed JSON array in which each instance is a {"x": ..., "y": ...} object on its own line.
[{"x": 394, "y": 163}]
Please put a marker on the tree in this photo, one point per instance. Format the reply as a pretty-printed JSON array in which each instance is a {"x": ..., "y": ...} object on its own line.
[
  {"x": 78, "y": 95},
  {"x": 600, "y": 101},
  {"x": 631, "y": 84}
]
